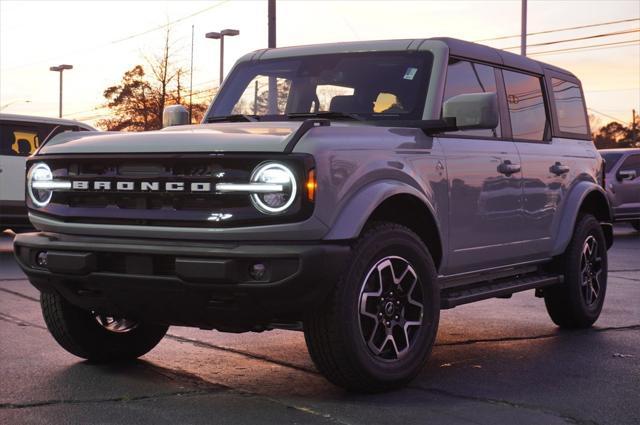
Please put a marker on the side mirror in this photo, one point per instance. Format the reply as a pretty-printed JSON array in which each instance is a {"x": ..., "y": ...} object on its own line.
[
  {"x": 473, "y": 110},
  {"x": 175, "y": 115},
  {"x": 626, "y": 175}
]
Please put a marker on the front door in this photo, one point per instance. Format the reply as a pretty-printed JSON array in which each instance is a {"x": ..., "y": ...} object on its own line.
[
  {"x": 485, "y": 182},
  {"x": 485, "y": 190}
]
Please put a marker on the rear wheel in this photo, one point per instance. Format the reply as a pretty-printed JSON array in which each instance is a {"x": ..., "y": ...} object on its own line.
[
  {"x": 377, "y": 330},
  {"x": 636, "y": 225},
  {"x": 96, "y": 337},
  {"x": 577, "y": 302}
]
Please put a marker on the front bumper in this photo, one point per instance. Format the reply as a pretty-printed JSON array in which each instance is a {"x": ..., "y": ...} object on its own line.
[{"x": 188, "y": 283}]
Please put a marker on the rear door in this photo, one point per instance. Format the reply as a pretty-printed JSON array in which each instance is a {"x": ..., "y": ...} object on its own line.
[
  {"x": 549, "y": 164},
  {"x": 485, "y": 198}
]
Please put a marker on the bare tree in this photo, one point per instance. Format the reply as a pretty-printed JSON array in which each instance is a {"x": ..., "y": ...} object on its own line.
[{"x": 144, "y": 91}]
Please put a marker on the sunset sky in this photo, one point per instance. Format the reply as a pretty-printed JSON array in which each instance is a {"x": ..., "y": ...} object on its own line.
[{"x": 104, "y": 39}]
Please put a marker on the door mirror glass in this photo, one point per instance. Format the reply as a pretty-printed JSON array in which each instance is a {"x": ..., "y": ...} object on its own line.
[
  {"x": 175, "y": 115},
  {"x": 626, "y": 175},
  {"x": 473, "y": 110}
]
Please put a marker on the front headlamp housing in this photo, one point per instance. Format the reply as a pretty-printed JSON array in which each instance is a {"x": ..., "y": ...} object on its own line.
[
  {"x": 283, "y": 179},
  {"x": 39, "y": 175}
]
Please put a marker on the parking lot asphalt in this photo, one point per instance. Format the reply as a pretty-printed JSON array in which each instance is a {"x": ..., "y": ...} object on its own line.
[{"x": 499, "y": 361}]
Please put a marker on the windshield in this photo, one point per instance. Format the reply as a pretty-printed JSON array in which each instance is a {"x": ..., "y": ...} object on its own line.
[
  {"x": 611, "y": 159},
  {"x": 373, "y": 85}
]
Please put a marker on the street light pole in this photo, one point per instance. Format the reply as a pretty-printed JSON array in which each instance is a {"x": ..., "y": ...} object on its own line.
[
  {"x": 523, "y": 33},
  {"x": 60, "y": 69},
  {"x": 220, "y": 36}
]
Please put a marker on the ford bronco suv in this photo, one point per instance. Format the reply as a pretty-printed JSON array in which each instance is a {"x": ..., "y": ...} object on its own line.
[{"x": 347, "y": 190}]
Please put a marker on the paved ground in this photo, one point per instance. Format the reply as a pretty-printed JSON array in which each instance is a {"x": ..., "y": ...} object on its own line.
[{"x": 495, "y": 362}]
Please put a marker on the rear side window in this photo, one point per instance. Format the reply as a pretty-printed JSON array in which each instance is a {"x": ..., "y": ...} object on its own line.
[
  {"x": 23, "y": 138},
  {"x": 467, "y": 77},
  {"x": 527, "y": 108},
  {"x": 569, "y": 106}
]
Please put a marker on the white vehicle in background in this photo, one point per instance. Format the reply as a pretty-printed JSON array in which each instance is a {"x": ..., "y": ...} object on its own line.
[{"x": 21, "y": 136}]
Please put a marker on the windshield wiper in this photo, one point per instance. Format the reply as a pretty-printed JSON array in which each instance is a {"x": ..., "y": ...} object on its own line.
[
  {"x": 326, "y": 114},
  {"x": 233, "y": 118}
]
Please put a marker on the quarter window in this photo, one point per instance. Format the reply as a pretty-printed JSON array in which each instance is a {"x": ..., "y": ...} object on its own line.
[
  {"x": 526, "y": 106},
  {"x": 569, "y": 106},
  {"x": 468, "y": 77}
]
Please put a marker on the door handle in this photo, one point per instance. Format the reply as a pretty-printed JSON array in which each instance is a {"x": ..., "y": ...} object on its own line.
[
  {"x": 507, "y": 168},
  {"x": 559, "y": 169}
]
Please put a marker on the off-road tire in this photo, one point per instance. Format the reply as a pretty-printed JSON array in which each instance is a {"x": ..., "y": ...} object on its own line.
[
  {"x": 78, "y": 332},
  {"x": 566, "y": 303},
  {"x": 333, "y": 333}
]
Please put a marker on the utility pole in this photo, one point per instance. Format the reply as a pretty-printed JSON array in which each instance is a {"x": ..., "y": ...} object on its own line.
[
  {"x": 272, "y": 24},
  {"x": 60, "y": 69},
  {"x": 191, "y": 80},
  {"x": 634, "y": 134},
  {"x": 273, "y": 86},
  {"x": 523, "y": 32}
]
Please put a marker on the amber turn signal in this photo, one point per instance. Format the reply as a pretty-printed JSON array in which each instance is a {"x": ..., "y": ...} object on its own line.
[{"x": 312, "y": 185}]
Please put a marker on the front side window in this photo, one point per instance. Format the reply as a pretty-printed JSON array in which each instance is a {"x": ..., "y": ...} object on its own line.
[
  {"x": 373, "y": 85},
  {"x": 569, "y": 106},
  {"x": 467, "y": 77},
  {"x": 527, "y": 108},
  {"x": 610, "y": 159},
  {"x": 632, "y": 163}
]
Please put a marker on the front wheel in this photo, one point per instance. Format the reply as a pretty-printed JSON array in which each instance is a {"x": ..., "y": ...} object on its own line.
[
  {"x": 377, "y": 330},
  {"x": 94, "y": 337},
  {"x": 577, "y": 302}
]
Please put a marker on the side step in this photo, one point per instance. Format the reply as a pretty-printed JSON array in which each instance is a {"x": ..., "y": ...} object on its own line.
[{"x": 453, "y": 297}]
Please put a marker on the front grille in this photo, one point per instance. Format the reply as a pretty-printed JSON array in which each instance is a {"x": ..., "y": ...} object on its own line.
[{"x": 166, "y": 208}]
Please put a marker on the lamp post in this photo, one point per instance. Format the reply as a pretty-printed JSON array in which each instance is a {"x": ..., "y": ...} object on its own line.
[
  {"x": 220, "y": 35},
  {"x": 60, "y": 69}
]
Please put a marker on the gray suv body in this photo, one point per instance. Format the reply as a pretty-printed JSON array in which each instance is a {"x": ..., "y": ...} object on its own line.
[{"x": 349, "y": 190}]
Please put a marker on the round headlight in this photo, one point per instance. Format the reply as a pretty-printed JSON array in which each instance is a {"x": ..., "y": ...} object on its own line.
[
  {"x": 274, "y": 202},
  {"x": 39, "y": 173}
]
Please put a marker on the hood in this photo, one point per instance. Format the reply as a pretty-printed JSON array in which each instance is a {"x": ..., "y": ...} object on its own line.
[{"x": 223, "y": 137}]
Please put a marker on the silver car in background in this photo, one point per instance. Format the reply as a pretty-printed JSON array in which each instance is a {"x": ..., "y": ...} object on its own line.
[{"x": 623, "y": 184}]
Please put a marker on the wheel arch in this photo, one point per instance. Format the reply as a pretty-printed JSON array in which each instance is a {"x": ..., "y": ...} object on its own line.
[
  {"x": 394, "y": 202},
  {"x": 585, "y": 198}
]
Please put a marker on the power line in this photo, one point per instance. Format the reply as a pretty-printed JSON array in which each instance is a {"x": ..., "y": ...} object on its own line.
[
  {"x": 608, "y": 116},
  {"x": 589, "y": 47},
  {"x": 505, "y": 37},
  {"x": 566, "y": 40},
  {"x": 170, "y": 23},
  {"x": 129, "y": 37}
]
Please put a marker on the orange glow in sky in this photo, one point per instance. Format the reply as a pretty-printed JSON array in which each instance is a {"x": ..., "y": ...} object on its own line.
[{"x": 104, "y": 39}]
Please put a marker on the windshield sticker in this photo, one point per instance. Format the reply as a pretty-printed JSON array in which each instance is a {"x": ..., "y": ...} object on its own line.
[{"x": 410, "y": 73}]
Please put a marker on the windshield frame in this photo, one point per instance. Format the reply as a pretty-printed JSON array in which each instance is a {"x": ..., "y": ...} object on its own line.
[{"x": 417, "y": 112}]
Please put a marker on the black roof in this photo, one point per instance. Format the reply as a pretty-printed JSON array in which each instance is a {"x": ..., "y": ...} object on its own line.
[{"x": 492, "y": 55}]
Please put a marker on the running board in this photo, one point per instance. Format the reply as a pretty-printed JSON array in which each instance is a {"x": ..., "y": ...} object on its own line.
[{"x": 495, "y": 288}]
